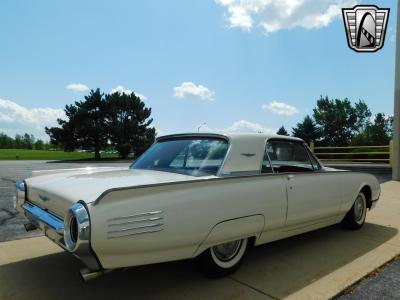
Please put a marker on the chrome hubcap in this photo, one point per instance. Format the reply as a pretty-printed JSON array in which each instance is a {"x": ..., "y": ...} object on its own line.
[
  {"x": 227, "y": 251},
  {"x": 359, "y": 208}
]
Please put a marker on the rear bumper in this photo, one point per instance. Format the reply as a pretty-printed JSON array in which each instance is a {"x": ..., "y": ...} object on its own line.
[{"x": 53, "y": 227}]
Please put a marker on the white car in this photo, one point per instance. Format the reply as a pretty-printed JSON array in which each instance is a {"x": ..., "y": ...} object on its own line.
[{"x": 203, "y": 196}]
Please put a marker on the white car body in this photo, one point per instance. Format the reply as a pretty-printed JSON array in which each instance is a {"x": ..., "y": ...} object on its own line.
[{"x": 139, "y": 217}]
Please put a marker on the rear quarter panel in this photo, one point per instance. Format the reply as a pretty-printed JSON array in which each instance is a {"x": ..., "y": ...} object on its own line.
[{"x": 189, "y": 212}]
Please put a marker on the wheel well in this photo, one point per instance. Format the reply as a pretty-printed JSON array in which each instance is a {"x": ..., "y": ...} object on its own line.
[
  {"x": 366, "y": 190},
  {"x": 252, "y": 240}
]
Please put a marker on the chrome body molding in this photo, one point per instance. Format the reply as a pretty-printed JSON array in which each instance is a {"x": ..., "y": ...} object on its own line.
[
  {"x": 137, "y": 221},
  {"x": 131, "y": 225},
  {"x": 135, "y": 233},
  {"x": 36, "y": 214},
  {"x": 150, "y": 213}
]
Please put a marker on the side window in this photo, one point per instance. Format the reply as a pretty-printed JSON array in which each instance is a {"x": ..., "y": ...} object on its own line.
[
  {"x": 288, "y": 156},
  {"x": 266, "y": 164}
]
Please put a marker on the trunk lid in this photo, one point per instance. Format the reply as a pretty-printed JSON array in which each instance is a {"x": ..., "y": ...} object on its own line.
[{"x": 56, "y": 192}]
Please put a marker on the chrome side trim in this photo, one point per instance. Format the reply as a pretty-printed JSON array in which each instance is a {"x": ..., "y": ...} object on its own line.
[
  {"x": 314, "y": 173},
  {"x": 35, "y": 213},
  {"x": 135, "y": 233},
  {"x": 135, "y": 228},
  {"x": 136, "y": 221},
  {"x": 137, "y": 215},
  {"x": 141, "y": 223}
]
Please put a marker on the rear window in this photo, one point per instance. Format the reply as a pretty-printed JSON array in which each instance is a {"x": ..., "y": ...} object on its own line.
[{"x": 190, "y": 156}]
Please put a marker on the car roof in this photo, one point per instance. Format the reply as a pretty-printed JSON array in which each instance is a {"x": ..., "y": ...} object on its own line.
[
  {"x": 245, "y": 137},
  {"x": 246, "y": 151}
]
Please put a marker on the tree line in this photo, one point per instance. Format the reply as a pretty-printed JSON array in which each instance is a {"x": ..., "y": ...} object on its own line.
[
  {"x": 337, "y": 122},
  {"x": 118, "y": 120},
  {"x": 26, "y": 141},
  {"x": 122, "y": 122}
]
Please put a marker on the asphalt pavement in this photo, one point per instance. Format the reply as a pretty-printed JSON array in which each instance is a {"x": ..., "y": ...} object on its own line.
[{"x": 382, "y": 284}]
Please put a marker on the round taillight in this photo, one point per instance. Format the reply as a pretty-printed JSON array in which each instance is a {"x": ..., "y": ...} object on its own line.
[
  {"x": 76, "y": 227},
  {"x": 73, "y": 229}
]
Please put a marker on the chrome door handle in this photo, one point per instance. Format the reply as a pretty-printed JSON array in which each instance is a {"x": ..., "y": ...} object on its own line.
[{"x": 290, "y": 176}]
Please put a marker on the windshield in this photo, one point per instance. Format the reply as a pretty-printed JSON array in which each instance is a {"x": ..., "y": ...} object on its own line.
[{"x": 190, "y": 156}]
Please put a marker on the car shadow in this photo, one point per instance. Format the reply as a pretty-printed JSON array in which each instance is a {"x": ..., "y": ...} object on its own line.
[{"x": 278, "y": 269}]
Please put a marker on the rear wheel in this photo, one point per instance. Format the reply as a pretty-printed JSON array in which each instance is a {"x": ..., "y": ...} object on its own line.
[
  {"x": 224, "y": 259},
  {"x": 355, "y": 218}
]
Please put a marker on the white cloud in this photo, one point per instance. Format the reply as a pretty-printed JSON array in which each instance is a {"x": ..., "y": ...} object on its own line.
[
  {"x": 280, "y": 108},
  {"x": 274, "y": 15},
  {"x": 77, "y": 87},
  {"x": 240, "y": 126},
  {"x": 159, "y": 132},
  {"x": 120, "y": 89},
  {"x": 189, "y": 90},
  {"x": 15, "y": 118}
]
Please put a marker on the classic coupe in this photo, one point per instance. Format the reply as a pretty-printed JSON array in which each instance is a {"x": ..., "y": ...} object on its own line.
[{"x": 202, "y": 196}]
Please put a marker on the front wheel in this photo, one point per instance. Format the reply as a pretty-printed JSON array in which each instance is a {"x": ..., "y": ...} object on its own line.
[
  {"x": 224, "y": 259},
  {"x": 355, "y": 218}
]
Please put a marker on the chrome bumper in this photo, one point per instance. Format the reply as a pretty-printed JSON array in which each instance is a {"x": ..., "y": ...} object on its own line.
[{"x": 53, "y": 227}]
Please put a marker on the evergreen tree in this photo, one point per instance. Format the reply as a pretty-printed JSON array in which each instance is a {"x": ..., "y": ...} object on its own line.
[{"x": 282, "y": 131}]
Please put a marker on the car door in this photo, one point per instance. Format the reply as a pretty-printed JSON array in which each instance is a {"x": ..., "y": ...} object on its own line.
[{"x": 313, "y": 196}]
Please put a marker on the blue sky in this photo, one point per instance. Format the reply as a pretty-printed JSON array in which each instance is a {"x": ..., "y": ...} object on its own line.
[{"x": 238, "y": 66}]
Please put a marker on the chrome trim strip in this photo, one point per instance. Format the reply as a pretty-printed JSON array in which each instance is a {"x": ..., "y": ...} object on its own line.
[
  {"x": 319, "y": 172},
  {"x": 150, "y": 213},
  {"x": 135, "y": 233},
  {"x": 136, "y": 221},
  {"x": 39, "y": 214},
  {"x": 195, "y": 135},
  {"x": 135, "y": 228}
]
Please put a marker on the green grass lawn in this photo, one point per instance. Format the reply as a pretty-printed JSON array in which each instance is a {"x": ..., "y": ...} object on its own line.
[{"x": 25, "y": 154}]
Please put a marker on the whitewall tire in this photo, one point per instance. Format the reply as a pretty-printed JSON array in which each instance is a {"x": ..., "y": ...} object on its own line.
[
  {"x": 224, "y": 259},
  {"x": 355, "y": 218}
]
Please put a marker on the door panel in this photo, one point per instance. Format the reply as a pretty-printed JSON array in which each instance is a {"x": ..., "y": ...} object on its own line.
[{"x": 312, "y": 197}]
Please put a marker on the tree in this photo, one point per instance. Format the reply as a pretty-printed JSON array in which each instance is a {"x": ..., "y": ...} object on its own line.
[
  {"x": 282, "y": 131},
  {"x": 66, "y": 137},
  {"x": 363, "y": 115},
  {"x": 28, "y": 141},
  {"x": 90, "y": 118},
  {"x": 306, "y": 130},
  {"x": 6, "y": 142},
  {"x": 377, "y": 133},
  {"x": 128, "y": 124},
  {"x": 119, "y": 118},
  {"x": 39, "y": 145},
  {"x": 336, "y": 120},
  {"x": 85, "y": 125},
  {"x": 19, "y": 141}
]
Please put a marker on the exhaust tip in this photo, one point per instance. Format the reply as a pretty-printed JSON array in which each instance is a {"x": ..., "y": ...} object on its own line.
[
  {"x": 87, "y": 275},
  {"x": 30, "y": 227}
]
